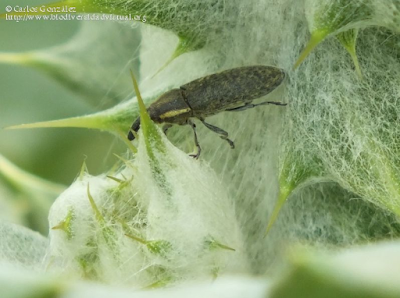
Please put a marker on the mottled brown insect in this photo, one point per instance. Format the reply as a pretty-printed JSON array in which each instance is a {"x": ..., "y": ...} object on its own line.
[{"x": 230, "y": 90}]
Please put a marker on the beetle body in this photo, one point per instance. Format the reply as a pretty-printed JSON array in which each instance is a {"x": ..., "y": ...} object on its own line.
[{"x": 229, "y": 90}]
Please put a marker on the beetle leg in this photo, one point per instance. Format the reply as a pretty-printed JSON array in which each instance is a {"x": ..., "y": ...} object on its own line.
[
  {"x": 223, "y": 134},
  {"x": 196, "y": 141},
  {"x": 166, "y": 127},
  {"x": 250, "y": 105}
]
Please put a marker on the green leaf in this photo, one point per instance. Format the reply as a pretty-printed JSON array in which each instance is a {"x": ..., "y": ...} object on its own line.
[
  {"x": 365, "y": 272},
  {"x": 349, "y": 39},
  {"x": 154, "y": 143},
  {"x": 294, "y": 174},
  {"x": 159, "y": 247},
  {"x": 190, "y": 21},
  {"x": 330, "y": 17},
  {"x": 65, "y": 225},
  {"x": 212, "y": 244},
  {"x": 37, "y": 193},
  {"x": 108, "y": 234},
  {"x": 76, "y": 66}
]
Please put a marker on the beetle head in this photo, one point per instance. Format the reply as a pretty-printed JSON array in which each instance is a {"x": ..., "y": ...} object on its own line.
[{"x": 135, "y": 127}]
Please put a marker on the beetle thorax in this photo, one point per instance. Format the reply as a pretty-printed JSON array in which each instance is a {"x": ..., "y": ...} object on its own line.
[{"x": 170, "y": 108}]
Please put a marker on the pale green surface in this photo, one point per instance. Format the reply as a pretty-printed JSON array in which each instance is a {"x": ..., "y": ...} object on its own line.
[
  {"x": 30, "y": 96},
  {"x": 336, "y": 128}
]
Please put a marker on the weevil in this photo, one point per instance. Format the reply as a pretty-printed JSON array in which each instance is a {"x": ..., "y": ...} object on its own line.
[{"x": 230, "y": 90}]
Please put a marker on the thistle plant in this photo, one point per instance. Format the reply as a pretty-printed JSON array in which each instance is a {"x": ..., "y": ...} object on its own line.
[{"x": 321, "y": 173}]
